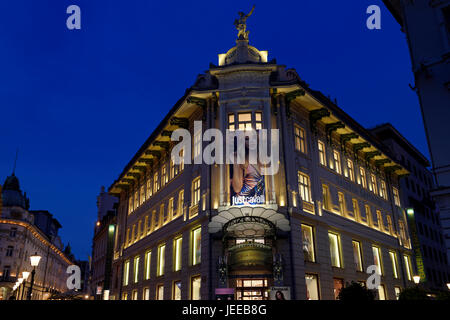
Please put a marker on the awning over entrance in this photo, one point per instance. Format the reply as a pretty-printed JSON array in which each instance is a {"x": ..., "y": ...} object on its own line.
[{"x": 227, "y": 214}]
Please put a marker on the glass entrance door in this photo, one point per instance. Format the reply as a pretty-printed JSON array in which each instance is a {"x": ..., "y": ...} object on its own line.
[{"x": 252, "y": 289}]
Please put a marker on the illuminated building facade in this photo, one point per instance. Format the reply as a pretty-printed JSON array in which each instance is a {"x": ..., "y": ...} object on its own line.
[
  {"x": 332, "y": 209},
  {"x": 22, "y": 234},
  {"x": 430, "y": 253}
]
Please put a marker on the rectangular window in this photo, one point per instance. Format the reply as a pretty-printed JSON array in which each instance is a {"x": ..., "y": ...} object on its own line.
[
  {"x": 381, "y": 292},
  {"x": 357, "y": 255},
  {"x": 362, "y": 174},
  {"x": 408, "y": 267},
  {"x": 356, "y": 210},
  {"x": 195, "y": 288},
  {"x": 377, "y": 259},
  {"x": 126, "y": 272},
  {"x": 308, "y": 243},
  {"x": 170, "y": 209},
  {"x": 368, "y": 215},
  {"x": 180, "y": 202},
  {"x": 161, "y": 260},
  {"x": 335, "y": 250},
  {"x": 322, "y": 154},
  {"x": 124, "y": 296},
  {"x": 380, "y": 220},
  {"x": 176, "y": 290},
  {"x": 149, "y": 188},
  {"x": 146, "y": 294},
  {"x": 162, "y": 214},
  {"x": 142, "y": 193},
  {"x": 196, "y": 191},
  {"x": 245, "y": 121},
  {"x": 136, "y": 199},
  {"x": 177, "y": 254},
  {"x": 13, "y": 232},
  {"x": 133, "y": 234},
  {"x": 171, "y": 170},
  {"x": 373, "y": 183},
  {"x": 134, "y": 295},
  {"x": 9, "y": 251},
  {"x": 155, "y": 182},
  {"x": 396, "y": 196},
  {"x": 163, "y": 175},
  {"x": 196, "y": 236},
  {"x": 341, "y": 199},
  {"x": 147, "y": 262},
  {"x": 139, "y": 230},
  {"x": 231, "y": 125},
  {"x": 350, "y": 170},
  {"x": 325, "y": 197},
  {"x": 383, "y": 193},
  {"x": 160, "y": 292},
  {"x": 337, "y": 161},
  {"x": 338, "y": 284},
  {"x": 128, "y": 239},
  {"x": 312, "y": 287},
  {"x": 393, "y": 257},
  {"x": 397, "y": 291},
  {"x": 304, "y": 187},
  {"x": 299, "y": 137},
  {"x": 258, "y": 121},
  {"x": 181, "y": 166},
  {"x": 136, "y": 269},
  {"x": 197, "y": 144}
]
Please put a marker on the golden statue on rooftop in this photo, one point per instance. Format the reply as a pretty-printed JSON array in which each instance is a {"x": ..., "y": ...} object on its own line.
[{"x": 241, "y": 24}]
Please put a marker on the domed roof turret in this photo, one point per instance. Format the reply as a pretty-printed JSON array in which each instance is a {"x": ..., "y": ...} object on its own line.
[{"x": 12, "y": 195}]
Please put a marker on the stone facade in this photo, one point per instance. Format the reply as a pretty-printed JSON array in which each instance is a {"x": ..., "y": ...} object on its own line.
[{"x": 334, "y": 180}]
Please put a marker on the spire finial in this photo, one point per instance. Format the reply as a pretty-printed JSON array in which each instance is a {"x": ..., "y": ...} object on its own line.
[
  {"x": 241, "y": 24},
  {"x": 15, "y": 162}
]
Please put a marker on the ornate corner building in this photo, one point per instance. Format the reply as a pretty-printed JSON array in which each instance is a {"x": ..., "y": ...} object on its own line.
[{"x": 332, "y": 209}]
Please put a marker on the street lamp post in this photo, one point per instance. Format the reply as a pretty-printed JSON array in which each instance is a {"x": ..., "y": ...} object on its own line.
[{"x": 34, "y": 260}]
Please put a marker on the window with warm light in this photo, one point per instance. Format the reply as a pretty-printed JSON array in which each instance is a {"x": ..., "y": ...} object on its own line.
[
  {"x": 396, "y": 196},
  {"x": 180, "y": 202},
  {"x": 312, "y": 287},
  {"x": 377, "y": 259},
  {"x": 326, "y": 197},
  {"x": 362, "y": 174},
  {"x": 155, "y": 182},
  {"x": 170, "y": 213},
  {"x": 134, "y": 295},
  {"x": 357, "y": 255},
  {"x": 308, "y": 243},
  {"x": 373, "y": 183},
  {"x": 299, "y": 139},
  {"x": 393, "y": 257},
  {"x": 163, "y": 175},
  {"x": 368, "y": 215},
  {"x": 136, "y": 269},
  {"x": 335, "y": 250},
  {"x": 176, "y": 290},
  {"x": 408, "y": 267},
  {"x": 147, "y": 263},
  {"x": 126, "y": 272},
  {"x": 336, "y": 161},
  {"x": 381, "y": 292},
  {"x": 197, "y": 144},
  {"x": 161, "y": 260},
  {"x": 142, "y": 198},
  {"x": 160, "y": 292},
  {"x": 149, "y": 188},
  {"x": 356, "y": 212},
  {"x": 383, "y": 192},
  {"x": 341, "y": 199},
  {"x": 196, "y": 238},
  {"x": 146, "y": 294},
  {"x": 380, "y": 220},
  {"x": 196, "y": 191},
  {"x": 177, "y": 254},
  {"x": 322, "y": 153},
  {"x": 162, "y": 214},
  {"x": 304, "y": 187},
  {"x": 350, "y": 170},
  {"x": 195, "y": 288}
]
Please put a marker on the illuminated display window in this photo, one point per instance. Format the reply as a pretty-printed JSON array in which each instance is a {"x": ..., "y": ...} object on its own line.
[
  {"x": 161, "y": 260},
  {"x": 377, "y": 259},
  {"x": 146, "y": 294},
  {"x": 126, "y": 272},
  {"x": 322, "y": 153},
  {"x": 160, "y": 292},
  {"x": 338, "y": 284},
  {"x": 357, "y": 255},
  {"x": 195, "y": 288},
  {"x": 136, "y": 269},
  {"x": 335, "y": 250},
  {"x": 134, "y": 295},
  {"x": 393, "y": 257},
  {"x": 312, "y": 287},
  {"x": 304, "y": 187},
  {"x": 147, "y": 264},
  {"x": 196, "y": 238},
  {"x": 299, "y": 138},
  {"x": 176, "y": 290},
  {"x": 177, "y": 254},
  {"x": 308, "y": 243}
]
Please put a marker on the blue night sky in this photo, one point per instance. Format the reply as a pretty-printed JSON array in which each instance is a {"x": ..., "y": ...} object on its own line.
[{"x": 79, "y": 104}]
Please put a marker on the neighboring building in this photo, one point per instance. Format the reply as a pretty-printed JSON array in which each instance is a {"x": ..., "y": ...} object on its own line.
[
  {"x": 20, "y": 237},
  {"x": 430, "y": 251},
  {"x": 331, "y": 210},
  {"x": 426, "y": 25},
  {"x": 103, "y": 244}
]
